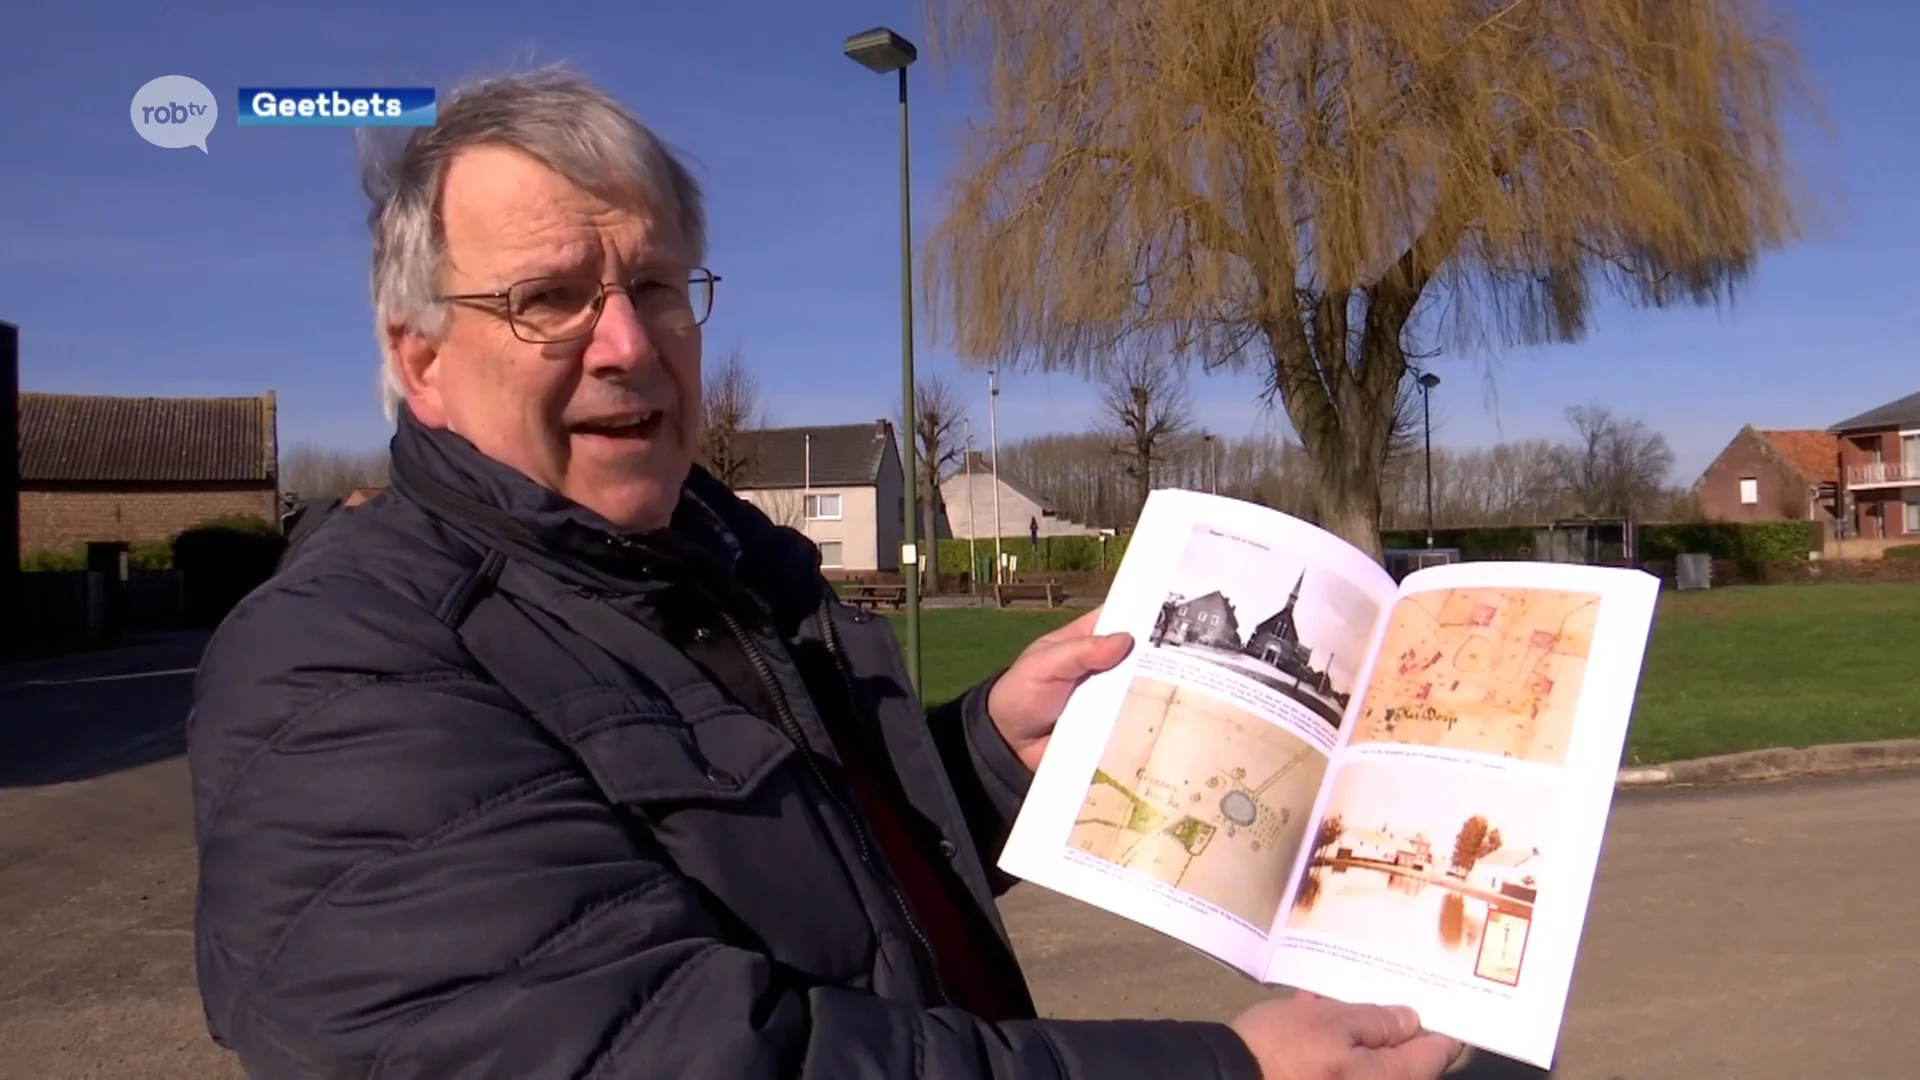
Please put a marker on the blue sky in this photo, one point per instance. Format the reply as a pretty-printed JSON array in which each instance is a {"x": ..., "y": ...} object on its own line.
[{"x": 132, "y": 269}]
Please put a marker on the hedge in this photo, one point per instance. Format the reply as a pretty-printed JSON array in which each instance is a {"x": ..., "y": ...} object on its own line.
[
  {"x": 1056, "y": 553},
  {"x": 222, "y": 560},
  {"x": 1481, "y": 544},
  {"x": 1903, "y": 551},
  {"x": 1749, "y": 542},
  {"x": 141, "y": 555}
]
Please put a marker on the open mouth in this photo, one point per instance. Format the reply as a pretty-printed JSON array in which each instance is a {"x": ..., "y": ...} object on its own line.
[{"x": 636, "y": 427}]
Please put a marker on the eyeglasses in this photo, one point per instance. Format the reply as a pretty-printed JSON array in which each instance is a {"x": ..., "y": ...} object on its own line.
[{"x": 548, "y": 310}]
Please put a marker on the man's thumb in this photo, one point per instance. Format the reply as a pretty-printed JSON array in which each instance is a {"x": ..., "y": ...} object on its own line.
[{"x": 1096, "y": 653}]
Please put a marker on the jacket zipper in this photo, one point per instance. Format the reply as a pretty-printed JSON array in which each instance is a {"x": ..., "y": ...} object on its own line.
[{"x": 790, "y": 726}]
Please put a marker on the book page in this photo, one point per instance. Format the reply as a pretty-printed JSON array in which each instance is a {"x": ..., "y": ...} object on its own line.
[
  {"x": 1459, "y": 835},
  {"x": 1176, "y": 788}
]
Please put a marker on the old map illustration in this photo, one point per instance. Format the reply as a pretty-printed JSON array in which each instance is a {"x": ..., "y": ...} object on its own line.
[
  {"x": 1491, "y": 670},
  {"x": 1202, "y": 795}
]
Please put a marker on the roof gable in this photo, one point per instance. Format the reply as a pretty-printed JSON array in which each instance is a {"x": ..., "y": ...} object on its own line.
[
  {"x": 838, "y": 455},
  {"x": 1815, "y": 455},
  {"x": 1903, "y": 413},
  {"x": 78, "y": 438}
]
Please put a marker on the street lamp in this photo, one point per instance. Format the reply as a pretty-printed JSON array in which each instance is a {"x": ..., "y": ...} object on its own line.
[
  {"x": 1428, "y": 380},
  {"x": 1213, "y": 467},
  {"x": 880, "y": 50},
  {"x": 973, "y": 523},
  {"x": 993, "y": 451}
]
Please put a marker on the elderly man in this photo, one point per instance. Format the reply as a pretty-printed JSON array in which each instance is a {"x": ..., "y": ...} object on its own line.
[{"x": 557, "y": 759}]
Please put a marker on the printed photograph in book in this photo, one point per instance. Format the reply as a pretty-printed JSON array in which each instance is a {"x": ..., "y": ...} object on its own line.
[
  {"x": 1202, "y": 796},
  {"x": 1256, "y": 612},
  {"x": 1487, "y": 670},
  {"x": 1431, "y": 867}
]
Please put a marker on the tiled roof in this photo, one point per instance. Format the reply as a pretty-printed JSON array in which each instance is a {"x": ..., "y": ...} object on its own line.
[
  {"x": 1904, "y": 413},
  {"x": 75, "y": 438},
  {"x": 1815, "y": 455},
  {"x": 841, "y": 455}
]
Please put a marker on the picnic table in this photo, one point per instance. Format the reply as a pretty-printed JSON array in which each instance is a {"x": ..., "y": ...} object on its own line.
[{"x": 875, "y": 596}]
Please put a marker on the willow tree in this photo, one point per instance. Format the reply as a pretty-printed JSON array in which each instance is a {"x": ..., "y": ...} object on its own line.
[{"x": 1321, "y": 191}]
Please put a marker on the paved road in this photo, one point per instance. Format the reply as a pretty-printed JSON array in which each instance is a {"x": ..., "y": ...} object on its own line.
[{"x": 1762, "y": 933}]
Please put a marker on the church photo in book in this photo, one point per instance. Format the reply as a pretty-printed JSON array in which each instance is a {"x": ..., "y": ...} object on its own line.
[{"x": 1255, "y": 612}]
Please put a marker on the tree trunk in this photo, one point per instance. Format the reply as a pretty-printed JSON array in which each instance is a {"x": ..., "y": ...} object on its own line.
[
  {"x": 1349, "y": 495},
  {"x": 1143, "y": 465}
]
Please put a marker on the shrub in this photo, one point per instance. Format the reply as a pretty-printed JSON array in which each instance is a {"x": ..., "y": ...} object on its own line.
[
  {"x": 1055, "y": 554},
  {"x": 1903, "y": 551},
  {"x": 1757, "y": 542},
  {"x": 222, "y": 560}
]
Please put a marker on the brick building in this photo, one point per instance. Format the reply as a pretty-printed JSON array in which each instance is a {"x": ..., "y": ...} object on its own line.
[
  {"x": 1773, "y": 476},
  {"x": 124, "y": 468},
  {"x": 1880, "y": 456}
]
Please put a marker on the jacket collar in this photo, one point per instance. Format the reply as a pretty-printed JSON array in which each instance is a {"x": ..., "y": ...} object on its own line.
[{"x": 448, "y": 473}]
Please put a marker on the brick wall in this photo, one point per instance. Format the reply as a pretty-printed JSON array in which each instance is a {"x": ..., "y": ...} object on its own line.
[
  {"x": 1781, "y": 494},
  {"x": 66, "y": 519}
]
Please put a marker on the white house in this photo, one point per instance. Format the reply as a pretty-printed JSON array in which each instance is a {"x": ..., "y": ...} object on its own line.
[
  {"x": 968, "y": 495},
  {"x": 841, "y": 484}
]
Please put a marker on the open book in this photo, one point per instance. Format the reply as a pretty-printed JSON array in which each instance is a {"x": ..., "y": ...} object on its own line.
[{"x": 1376, "y": 792}]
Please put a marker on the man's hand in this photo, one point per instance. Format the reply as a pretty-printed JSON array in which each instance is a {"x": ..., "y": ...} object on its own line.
[
  {"x": 1312, "y": 1038},
  {"x": 1031, "y": 694}
]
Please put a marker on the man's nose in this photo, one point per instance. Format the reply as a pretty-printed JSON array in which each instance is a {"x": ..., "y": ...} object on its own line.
[{"x": 621, "y": 340}]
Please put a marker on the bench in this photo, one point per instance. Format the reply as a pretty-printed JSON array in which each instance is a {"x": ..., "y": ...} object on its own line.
[
  {"x": 1007, "y": 592},
  {"x": 870, "y": 597}
]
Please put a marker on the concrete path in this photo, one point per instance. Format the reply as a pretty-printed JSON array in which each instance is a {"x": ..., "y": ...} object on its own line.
[{"x": 1761, "y": 933}]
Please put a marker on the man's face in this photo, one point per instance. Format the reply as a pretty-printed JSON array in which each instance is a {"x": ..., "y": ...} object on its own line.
[{"x": 609, "y": 420}]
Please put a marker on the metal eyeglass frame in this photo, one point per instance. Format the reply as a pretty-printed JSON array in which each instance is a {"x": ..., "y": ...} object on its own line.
[{"x": 503, "y": 296}]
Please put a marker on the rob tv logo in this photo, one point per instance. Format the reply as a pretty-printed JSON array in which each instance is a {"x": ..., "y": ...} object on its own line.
[{"x": 174, "y": 112}]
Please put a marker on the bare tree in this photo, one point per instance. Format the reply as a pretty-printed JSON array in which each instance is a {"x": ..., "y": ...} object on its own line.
[
  {"x": 938, "y": 417},
  {"x": 1145, "y": 403},
  {"x": 1315, "y": 190},
  {"x": 1614, "y": 465},
  {"x": 730, "y": 407},
  {"x": 783, "y": 506},
  {"x": 315, "y": 472}
]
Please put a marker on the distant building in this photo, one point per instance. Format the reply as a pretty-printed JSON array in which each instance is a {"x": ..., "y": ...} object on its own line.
[
  {"x": 142, "y": 468},
  {"x": 1860, "y": 478},
  {"x": 1773, "y": 476},
  {"x": 1880, "y": 471},
  {"x": 968, "y": 495},
  {"x": 840, "y": 484}
]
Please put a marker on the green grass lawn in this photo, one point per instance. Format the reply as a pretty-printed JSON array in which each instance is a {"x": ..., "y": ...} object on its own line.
[{"x": 1729, "y": 669}]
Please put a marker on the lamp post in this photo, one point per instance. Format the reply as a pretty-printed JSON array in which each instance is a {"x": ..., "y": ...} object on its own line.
[
  {"x": 1428, "y": 380},
  {"x": 880, "y": 50},
  {"x": 1213, "y": 467},
  {"x": 993, "y": 450},
  {"x": 973, "y": 523}
]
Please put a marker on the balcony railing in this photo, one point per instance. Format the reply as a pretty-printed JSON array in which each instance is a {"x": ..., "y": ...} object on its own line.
[{"x": 1884, "y": 472}]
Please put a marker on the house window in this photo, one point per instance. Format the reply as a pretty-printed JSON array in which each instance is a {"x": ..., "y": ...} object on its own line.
[
  {"x": 830, "y": 558},
  {"x": 1749, "y": 491},
  {"x": 1913, "y": 511},
  {"x": 823, "y": 507}
]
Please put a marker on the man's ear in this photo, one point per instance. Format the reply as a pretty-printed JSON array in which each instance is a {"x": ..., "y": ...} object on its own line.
[{"x": 416, "y": 360}]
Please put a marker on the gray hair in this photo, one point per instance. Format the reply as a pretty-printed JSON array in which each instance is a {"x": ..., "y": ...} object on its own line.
[{"x": 554, "y": 116}]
